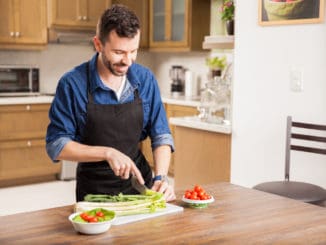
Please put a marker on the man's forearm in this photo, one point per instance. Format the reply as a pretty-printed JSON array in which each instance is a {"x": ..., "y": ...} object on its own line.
[
  {"x": 74, "y": 151},
  {"x": 162, "y": 158}
]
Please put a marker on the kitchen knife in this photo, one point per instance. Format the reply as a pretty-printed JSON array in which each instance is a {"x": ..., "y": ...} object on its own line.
[{"x": 138, "y": 186}]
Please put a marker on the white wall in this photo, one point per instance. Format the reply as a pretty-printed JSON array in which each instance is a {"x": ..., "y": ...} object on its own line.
[{"x": 262, "y": 97}]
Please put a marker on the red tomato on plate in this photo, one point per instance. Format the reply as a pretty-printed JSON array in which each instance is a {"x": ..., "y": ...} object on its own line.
[{"x": 197, "y": 193}]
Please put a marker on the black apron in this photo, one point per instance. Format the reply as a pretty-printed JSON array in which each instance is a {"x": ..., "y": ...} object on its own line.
[{"x": 117, "y": 126}]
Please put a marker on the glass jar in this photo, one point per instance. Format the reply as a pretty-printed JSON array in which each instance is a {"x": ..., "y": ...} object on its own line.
[{"x": 214, "y": 97}]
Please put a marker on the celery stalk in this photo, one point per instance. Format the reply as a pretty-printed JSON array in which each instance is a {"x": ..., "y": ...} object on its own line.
[{"x": 124, "y": 204}]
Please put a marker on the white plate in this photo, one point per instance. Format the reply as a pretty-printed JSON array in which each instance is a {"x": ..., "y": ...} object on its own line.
[{"x": 198, "y": 201}]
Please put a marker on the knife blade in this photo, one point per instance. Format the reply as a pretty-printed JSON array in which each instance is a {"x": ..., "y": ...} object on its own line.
[{"x": 138, "y": 186}]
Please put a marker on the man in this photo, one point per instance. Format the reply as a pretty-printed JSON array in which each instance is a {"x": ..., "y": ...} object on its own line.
[{"x": 102, "y": 110}]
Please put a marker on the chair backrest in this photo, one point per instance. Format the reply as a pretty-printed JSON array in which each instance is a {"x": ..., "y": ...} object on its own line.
[{"x": 307, "y": 136}]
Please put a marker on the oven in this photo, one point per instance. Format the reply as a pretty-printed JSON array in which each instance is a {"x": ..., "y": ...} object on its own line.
[{"x": 19, "y": 80}]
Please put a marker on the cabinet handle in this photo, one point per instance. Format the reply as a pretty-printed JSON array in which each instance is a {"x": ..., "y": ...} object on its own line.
[
  {"x": 12, "y": 34},
  {"x": 28, "y": 108},
  {"x": 29, "y": 143},
  {"x": 84, "y": 17},
  {"x": 17, "y": 34}
]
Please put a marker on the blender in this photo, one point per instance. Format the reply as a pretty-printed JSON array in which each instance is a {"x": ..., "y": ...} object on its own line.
[{"x": 177, "y": 75}]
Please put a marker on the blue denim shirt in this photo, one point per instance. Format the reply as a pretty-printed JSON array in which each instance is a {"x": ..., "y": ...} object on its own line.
[{"x": 68, "y": 110}]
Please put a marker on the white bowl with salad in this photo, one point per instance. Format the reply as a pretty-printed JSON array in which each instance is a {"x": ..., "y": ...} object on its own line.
[{"x": 94, "y": 221}]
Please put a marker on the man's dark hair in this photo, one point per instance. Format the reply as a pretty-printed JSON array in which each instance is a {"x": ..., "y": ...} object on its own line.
[{"x": 118, "y": 18}]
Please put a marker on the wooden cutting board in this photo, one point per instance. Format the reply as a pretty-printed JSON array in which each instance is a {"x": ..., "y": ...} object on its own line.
[{"x": 170, "y": 208}]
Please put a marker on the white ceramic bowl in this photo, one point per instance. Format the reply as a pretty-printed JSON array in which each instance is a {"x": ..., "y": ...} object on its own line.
[{"x": 90, "y": 228}]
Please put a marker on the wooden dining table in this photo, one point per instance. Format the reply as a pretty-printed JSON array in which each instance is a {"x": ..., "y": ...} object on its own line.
[{"x": 238, "y": 215}]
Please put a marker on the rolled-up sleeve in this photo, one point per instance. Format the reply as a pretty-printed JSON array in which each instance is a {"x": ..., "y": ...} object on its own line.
[
  {"x": 54, "y": 148},
  {"x": 163, "y": 139}
]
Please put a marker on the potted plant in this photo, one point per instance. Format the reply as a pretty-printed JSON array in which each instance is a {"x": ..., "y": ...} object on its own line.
[
  {"x": 227, "y": 14},
  {"x": 216, "y": 64}
]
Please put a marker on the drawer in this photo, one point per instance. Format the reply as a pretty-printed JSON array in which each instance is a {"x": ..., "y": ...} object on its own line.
[
  {"x": 25, "y": 158},
  {"x": 23, "y": 121}
]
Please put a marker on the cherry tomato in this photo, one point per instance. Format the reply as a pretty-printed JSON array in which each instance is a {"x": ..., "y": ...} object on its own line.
[
  {"x": 193, "y": 196},
  {"x": 208, "y": 197},
  {"x": 188, "y": 195},
  {"x": 89, "y": 217},
  {"x": 204, "y": 197},
  {"x": 84, "y": 216},
  {"x": 99, "y": 214},
  {"x": 198, "y": 188},
  {"x": 201, "y": 193},
  {"x": 93, "y": 220},
  {"x": 197, "y": 193}
]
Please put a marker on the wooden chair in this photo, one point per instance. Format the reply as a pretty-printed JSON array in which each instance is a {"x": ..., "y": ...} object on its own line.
[{"x": 292, "y": 189}]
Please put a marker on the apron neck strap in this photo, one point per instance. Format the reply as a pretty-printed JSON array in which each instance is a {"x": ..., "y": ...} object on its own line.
[{"x": 89, "y": 96}]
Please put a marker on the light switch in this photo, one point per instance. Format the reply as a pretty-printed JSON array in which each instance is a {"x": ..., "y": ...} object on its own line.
[{"x": 296, "y": 80}]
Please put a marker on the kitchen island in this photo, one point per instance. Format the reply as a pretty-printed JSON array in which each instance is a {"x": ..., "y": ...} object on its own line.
[
  {"x": 239, "y": 215},
  {"x": 203, "y": 151}
]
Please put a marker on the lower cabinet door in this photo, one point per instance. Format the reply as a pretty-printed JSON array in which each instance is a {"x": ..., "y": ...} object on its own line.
[{"x": 25, "y": 159}]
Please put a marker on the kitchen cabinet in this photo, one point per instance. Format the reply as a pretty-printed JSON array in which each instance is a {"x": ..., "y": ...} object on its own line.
[
  {"x": 141, "y": 9},
  {"x": 178, "y": 25},
  {"x": 171, "y": 111},
  {"x": 177, "y": 111},
  {"x": 202, "y": 157},
  {"x": 77, "y": 14},
  {"x": 23, "y": 158},
  {"x": 23, "y": 24}
]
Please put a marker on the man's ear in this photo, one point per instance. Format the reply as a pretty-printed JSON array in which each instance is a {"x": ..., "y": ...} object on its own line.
[{"x": 97, "y": 44}]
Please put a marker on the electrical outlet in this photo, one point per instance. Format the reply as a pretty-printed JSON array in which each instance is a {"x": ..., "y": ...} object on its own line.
[{"x": 296, "y": 80}]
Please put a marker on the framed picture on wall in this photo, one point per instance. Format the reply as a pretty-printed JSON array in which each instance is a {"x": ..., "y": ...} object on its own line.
[{"x": 286, "y": 12}]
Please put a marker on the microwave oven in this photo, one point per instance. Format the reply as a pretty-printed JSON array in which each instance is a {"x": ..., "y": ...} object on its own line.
[{"x": 18, "y": 80}]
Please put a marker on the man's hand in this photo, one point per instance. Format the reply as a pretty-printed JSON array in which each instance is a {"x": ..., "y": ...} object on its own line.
[
  {"x": 164, "y": 187},
  {"x": 122, "y": 165}
]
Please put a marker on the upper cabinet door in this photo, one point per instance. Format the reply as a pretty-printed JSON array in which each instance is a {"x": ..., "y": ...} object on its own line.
[
  {"x": 7, "y": 26},
  {"x": 77, "y": 14},
  {"x": 141, "y": 8},
  {"x": 169, "y": 24},
  {"x": 158, "y": 21},
  {"x": 175, "y": 25},
  {"x": 178, "y": 21},
  {"x": 23, "y": 24},
  {"x": 65, "y": 12},
  {"x": 31, "y": 21}
]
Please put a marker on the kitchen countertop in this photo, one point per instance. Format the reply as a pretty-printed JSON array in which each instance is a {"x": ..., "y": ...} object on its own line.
[
  {"x": 239, "y": 215},
  {"x": 196, "y": 123},
  {"x": 39, "y": 99},
  {"x": 181, "y": 100}
]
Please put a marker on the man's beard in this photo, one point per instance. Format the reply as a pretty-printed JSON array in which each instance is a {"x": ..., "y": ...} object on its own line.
[{"x": 110, "y": 66}]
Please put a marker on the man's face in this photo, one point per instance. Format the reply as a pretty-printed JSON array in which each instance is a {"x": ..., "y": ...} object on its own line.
[{"x": 118, "y": 53}]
